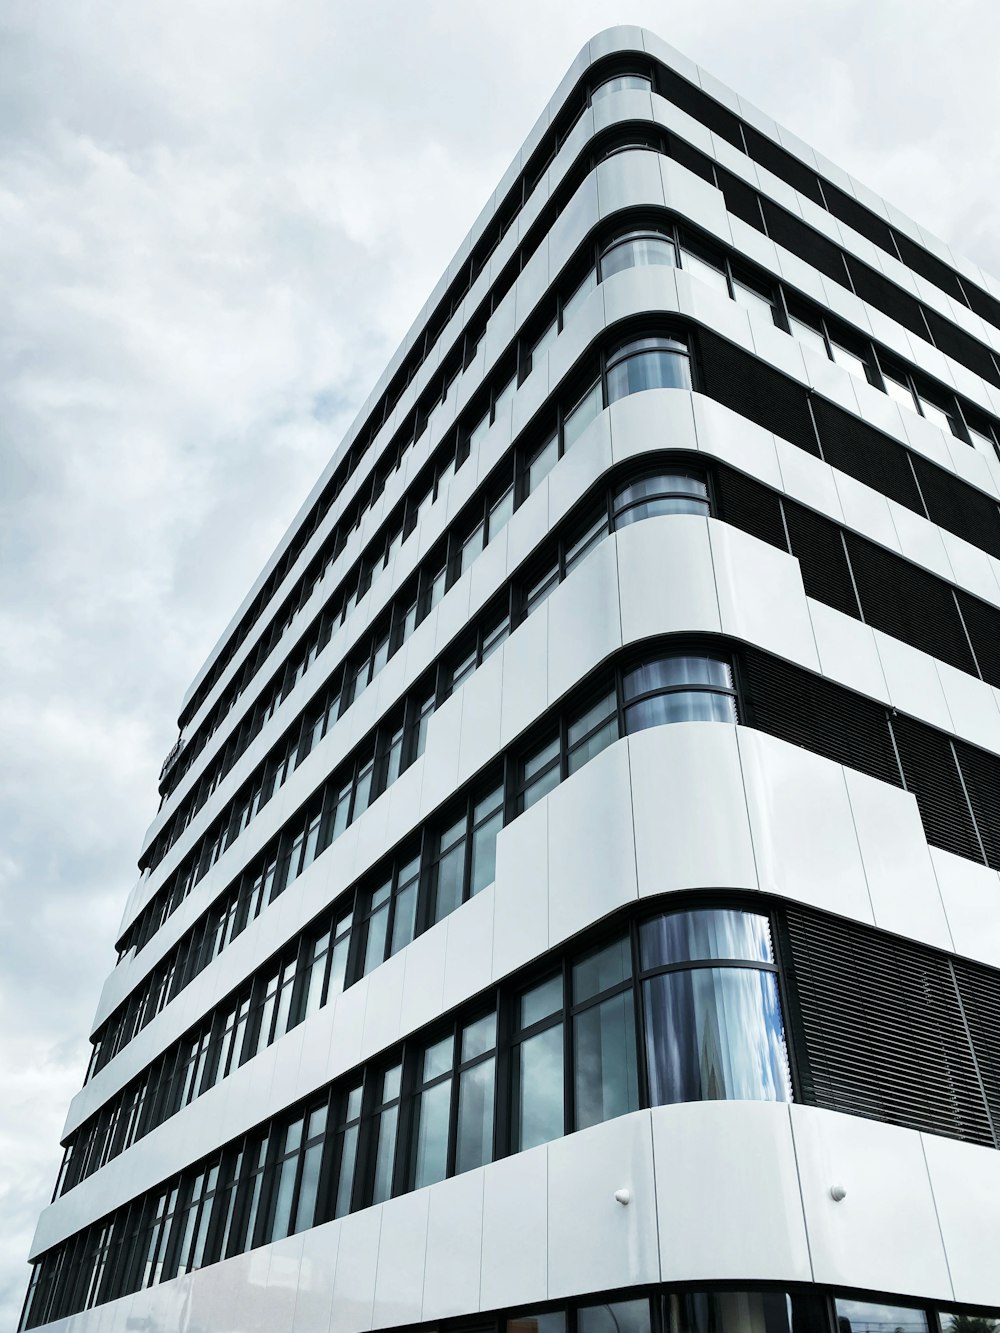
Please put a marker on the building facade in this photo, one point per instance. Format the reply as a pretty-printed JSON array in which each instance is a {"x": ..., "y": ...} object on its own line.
[{"x": 574, "y": 900}]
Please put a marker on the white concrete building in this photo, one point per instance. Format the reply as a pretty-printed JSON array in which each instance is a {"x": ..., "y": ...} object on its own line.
[{"x": 574, "y": 902}]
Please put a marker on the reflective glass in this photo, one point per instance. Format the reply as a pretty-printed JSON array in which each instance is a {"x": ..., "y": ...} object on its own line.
[
  {"x": 747, "y": 1312},
  {"x": 866, "y": 1317},
  {"x": 449, "y": 881},
  {"x": 504, "y": 397},
  {"x": 543, "y": 462},
  {"x": 541, "y": 1001},
  {"x": 621, "y": 83},
  {"x": 705, "y": 934},
  {"x": 753, "y": 301},
  {"x": 680, "y": 706},
  {"x": 385, "y": 1155},
  {"x": 638, "y": 252},
  {"x": 805, "y": 333},
  {"x": 404, "y": 919},
  {"x": 431, "y": 1160},
  {"x": 936, "y": 414},
  {"x": 604, "y": 1061},
  {"x": 579, "y": 417},
  {"x": 501, "y": 512},
  {"x": 659, "y": 484},
  {"x": 600, "y": 970},
  {"x": 656, "y": 508},
  {"x": 614, "y": 1317},
  {"x": 540, "y": 1116},
  {"x": 479, "y": 1037},
  {"x": 437, "y": 1059},
  {"x": 544, "y": 342},
  {"x": 573, "y": 303},
  {"x": 664, "y": 672},
  {"x": 474, "y": 1146},
  {"x": 715, "y": 1034},
  {"x": 899, "y": 391},
  {"x": 704, "y": 270},
  {"x": 553, "y": 1321},
  {"x": 849, "y": 360},
  {"x": 484, "y": 853},
  {"x": 648, "y": 370}
]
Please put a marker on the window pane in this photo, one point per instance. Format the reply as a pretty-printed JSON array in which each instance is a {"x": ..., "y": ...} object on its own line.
[
  {"x": 748, "y": 1312},
  {"x": 404, "y": 921},
  {"x": 573, "y": 303},
  {"x": 475, "y": 1117},
  {"x": 541, "y": 1001},
  {"x": 479, "y": 1037},
  {"x": 648, "y": 370},
  {"x": 437, "y": 1059},
  {"x": 540, "y": 1115},
  {"x": 617, "y": 1317},
  {"x": 501, "y": 512},
  {"x": 936, "y": 414},
  {"x": 600, "y": 970},
  {"x": 543, "y": 462},
  {"x": 705, "y": 933},
  {"x": 620, "y": 83},
  {"x": 385, "y": 1155},
  {"x": 753, "y": 301},
  {"x": 899, "y": 391},
  {"x": 431, "y": 1160},
  {"x": 806, "y": 334},
  {"x": 679, "y": 670},
  {"x": 449, "y": 881},
  {"x": 484, "y": 853},
  {"x": 541, "y": 759},
  {"x": 553, "y": 1321},
  {"x": 638, "y": 252},
  {"x": 593, "y": 745},
  {"x": 866, "y": 1317},
  {"x": 604, "y": 1061},
  {"x": 681, "y": 706},
  {"x": 664, "y": 483},
  {"x": 539, "y": 787},
  {"x": 715, "y": 1034},
  {"x": 543, "y": 343},
  {"x": 375, "y": 945},
  {"x": 586, "y": 540},
  {"x": 578, "y": 727},
  {"x": 504, "y": 397},
  {"x": 579, "y": 418},
  {"x": 664, "y": 504},
  {"x": 704, "y": 270},
  {"x": 849, "y": 360}
]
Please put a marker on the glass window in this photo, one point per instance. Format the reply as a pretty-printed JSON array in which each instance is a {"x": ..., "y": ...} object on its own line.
[
  {"x": 448, "y": 872},
  {"x": 638, "y": 249},
  {"x": 477, "y": 1081},
  {"x": 614, "y": 1317},
  {"x": 867, "y": 1317},
  {"x": 500, "y": 513},
  {"x": 622, "y": 83},
  {"x": 849, "y": 360},
  {"x": 347, "y": 1149},
  {"x": 806, "y": 333},
  {"x": 898, "y": 388},
  {"x": 579, "y": 417},
  {"x": 504, "y": 397},
  {"x": 605, "y": 1073},
  {"x": 431, "y": 1114},
  {"x": 573, "y": 303},
  {"x": 404, "y": 908},
  {"x": 542, "y": 344},
  {"x": 753, "y": 298},
  {"x": 681, "y": 688},
  {"x": 540, "y": 773},
  {"x": 713, "y": 1032},
  {"x": 487, "y": 818},
  {"x": 543, "y": 461},
  {"x": 747, "y": 1312},
  {"x": 591, "y": 731},
  {"x": 705, "y": 266},
  {"x": 551, "y": 1321},
  {"x": 648, "y": 363},
  {"x": 662, "y": 493},
  {"x": 538, "y": 1066},
  {"x": 386, "y": 1120},
  {"x": 933, "y": 412}
]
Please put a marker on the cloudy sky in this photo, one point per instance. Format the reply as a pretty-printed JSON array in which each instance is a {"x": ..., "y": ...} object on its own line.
[{"x": 217, "y": 219}]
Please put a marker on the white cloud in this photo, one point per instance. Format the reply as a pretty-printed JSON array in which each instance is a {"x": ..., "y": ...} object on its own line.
[{"x": 216, "y": 221}]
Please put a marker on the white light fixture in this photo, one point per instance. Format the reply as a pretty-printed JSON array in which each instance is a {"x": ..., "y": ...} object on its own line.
[
  {"x": 622, "y": 1196},
  {"x": 837, "y": 1193}
]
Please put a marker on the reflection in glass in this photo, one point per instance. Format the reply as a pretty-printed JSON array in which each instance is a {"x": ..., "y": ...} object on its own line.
[
  {"x": 866, "y": 1317},
  {"x": 648, "y": 363},
  {"x": 663, "y": 493},
  {"x": 747, "y": 1312},
  {"x": 621, "y": 83},
  {"x": 552, "y": 1321},
  {"x": 638, "y": 250},
  {"x": 540, "y": 1116},
  {"x": 475, "y": 1117},
  {"x": 705, "y": 933},
  {"x": 681, "y": 706},
  {"x": 431, "y": 1162},
  {"x": 715, "y": 1034},
  {"x": 614, "y": 1317},
  {"x": 579, "y": 417},
  {"x": 604, "y": 1061}
]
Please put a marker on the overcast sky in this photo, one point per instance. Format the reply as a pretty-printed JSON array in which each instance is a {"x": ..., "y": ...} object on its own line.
[{"x": 217, "y": 219}]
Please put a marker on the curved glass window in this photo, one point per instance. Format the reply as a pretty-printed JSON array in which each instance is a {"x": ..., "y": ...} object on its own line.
[
  {"x": 622, "y": 83},
  {"x": 681, "y": 688},
  {"x": 714, "y": 1030},
  {"x": 648, "y": 363},
  {"x": 638, "y": 249},
  {"x": 660, "y": 493}
]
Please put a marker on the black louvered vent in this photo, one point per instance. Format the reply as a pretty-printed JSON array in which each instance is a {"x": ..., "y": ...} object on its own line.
[
  {"x": 817, "y": 544},
  {"x": 918, "y": 259},
  {"x": 866, "y": 454},
  {"x": 885, "y": 296},
  {"x": 748, "y": 505},
  {"x": 983, "y": 624},
  {"x": 987, "y": 307},
  {"x": 932, "y": 776},
  {"x": 980, "y": 992},
  {"x": 741, "y": 199},
  {"x": 963, "y": 348},
  {"x": 782, "y": 164},
  {"x": 699, "y": 105},
  {"x": 807, "y": 710},
  {"x": 848, "y": 210},
  {"x": 789, "y": 232},
  {"x": 883, "y": 1029},
  {"x": 762, "y": 395},
  {"x": 902, "y": 600},
  {"x": 960, "y": 508},
  {"x": 981, "y": 773}
]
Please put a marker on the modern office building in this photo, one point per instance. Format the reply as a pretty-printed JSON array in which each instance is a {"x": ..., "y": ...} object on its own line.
[{"x": 574, "y": 902}]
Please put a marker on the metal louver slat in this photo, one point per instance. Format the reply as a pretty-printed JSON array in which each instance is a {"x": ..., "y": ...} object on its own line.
[
  {"x": 981, "y": 775},
  {"x": 982, "y": 622},
  {"x": 932, "y": 776},
  {"x": 749, "y": 506},
  {"x": 751, "y": 388},
  {"x": 866, "y": 454},
  {"x": 960, "y": 508},
  {"x": 817, "y": 545}
]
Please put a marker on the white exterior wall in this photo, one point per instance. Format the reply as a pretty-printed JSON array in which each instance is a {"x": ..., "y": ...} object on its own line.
[{"x": 677, "y": 808}]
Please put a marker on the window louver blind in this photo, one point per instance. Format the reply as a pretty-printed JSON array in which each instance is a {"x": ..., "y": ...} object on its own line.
[
  {"x": 817, "y": 544},
  {"x": 883, "y": 1029},
  {"x": 866, "y": 455},
  {"x": 749, "y": 506},
  {"x": 980, "y": 992},
  {"x": 807, "y": 710},
  {"x": 886, "y": 296},
  {"x": 902, "y": 600},
  {"x": 745, "y": 384},
  {"x": 955, "y": 343},
  {"x": 983, "y": 624},
  {"x": 816, "y": 250},
  {"x": 932, "y": 776},
  {"x": 960, "y": 508},
  {"x": 981, "y": 774}
]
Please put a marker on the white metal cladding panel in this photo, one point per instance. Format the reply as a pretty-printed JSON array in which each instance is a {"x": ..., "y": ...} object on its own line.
[
  {"x": 760, "y": 591},
  {"x": 817, "y": 835},
  {"x": 920, "y": 1217}
]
